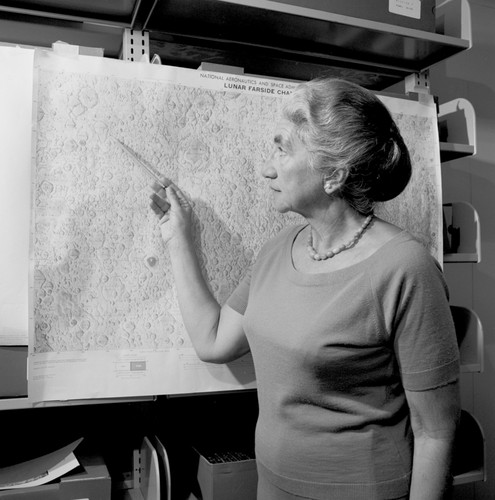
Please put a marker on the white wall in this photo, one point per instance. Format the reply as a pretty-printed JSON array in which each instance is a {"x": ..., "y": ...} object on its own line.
[{"x": 471, "y": 75}]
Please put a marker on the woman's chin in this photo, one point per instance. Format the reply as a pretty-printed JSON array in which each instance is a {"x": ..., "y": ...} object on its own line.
[
  {"x": 278, "y": 204},
  {"x": 281, "y": 209}
]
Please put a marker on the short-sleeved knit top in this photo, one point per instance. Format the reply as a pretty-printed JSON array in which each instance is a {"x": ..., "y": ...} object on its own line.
[{"x": 333, "y": 353}]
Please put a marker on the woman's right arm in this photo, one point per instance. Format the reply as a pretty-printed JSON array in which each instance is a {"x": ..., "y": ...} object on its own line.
[{"x": 216, "y": 332}]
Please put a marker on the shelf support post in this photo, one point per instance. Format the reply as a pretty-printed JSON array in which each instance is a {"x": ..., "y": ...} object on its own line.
[
  {"x": 135, "y": 46},
  {"x": 418, "y": 82}
]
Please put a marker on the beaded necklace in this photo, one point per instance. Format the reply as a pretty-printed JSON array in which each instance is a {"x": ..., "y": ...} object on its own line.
[{"x": 345, "y": 246}]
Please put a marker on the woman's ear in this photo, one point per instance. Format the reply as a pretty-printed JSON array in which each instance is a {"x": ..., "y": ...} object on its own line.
[
  {"x": 328, "y": 187},
  {"x": 334, "y": 182}
]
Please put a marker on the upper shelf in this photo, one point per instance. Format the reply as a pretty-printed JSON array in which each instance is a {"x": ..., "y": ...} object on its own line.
[
  {"x": 255, "y": 34},
  {"x": 273, "y": 38}
]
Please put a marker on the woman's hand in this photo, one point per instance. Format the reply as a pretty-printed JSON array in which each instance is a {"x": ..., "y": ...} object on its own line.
[{"x": 173, "y": 210}]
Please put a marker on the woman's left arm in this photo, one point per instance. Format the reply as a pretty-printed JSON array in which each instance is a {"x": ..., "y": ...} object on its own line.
[{"x": 435, "y": 415}]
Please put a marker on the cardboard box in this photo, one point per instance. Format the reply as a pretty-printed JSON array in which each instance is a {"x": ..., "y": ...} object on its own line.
[
  {"x": 415, "y": 14},
  {"x": 227, "y": 476},
  {"x": 13, "y": 371},
  {"x": 92, "y": 483}
]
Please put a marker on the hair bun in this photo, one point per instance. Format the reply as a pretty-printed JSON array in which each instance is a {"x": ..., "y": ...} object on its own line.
[{"x": 395, "y": 172}]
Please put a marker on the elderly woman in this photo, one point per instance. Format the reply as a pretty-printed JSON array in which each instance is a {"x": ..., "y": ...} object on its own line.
[{"x": 346, "y": 316}]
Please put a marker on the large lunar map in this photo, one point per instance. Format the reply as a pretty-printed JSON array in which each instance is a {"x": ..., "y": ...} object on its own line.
[
  {"x": 102, "y": 277},
  {"x": 103, "y": 296}
]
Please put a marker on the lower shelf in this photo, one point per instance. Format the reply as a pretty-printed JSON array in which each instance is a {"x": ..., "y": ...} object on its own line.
[
  {"x": 470, "y": 451},
  {"x": 461, "y": 257},
  {"x": 449, "y": 151},
  {"x": 469, "y": 477},
  {"x": 469, "y": 332},
  {"x": 461, "y": 233}
]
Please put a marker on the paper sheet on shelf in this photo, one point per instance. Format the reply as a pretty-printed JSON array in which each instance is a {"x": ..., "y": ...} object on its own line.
[
  {"x": 16, "y": 90},
  {"x": 40, "y": 470},
  {"x": 105, "y": 319}
]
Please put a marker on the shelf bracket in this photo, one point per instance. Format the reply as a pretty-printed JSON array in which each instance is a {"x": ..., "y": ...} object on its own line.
[
  {"x": 135, "y": 46},
  {"x": 418, "y": 83}
]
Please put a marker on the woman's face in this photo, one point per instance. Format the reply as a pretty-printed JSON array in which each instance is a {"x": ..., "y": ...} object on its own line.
[{"x": 294, "y": 185}]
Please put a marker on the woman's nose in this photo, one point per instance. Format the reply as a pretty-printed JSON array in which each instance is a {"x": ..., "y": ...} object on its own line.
[{"x": 268, "y": 169}]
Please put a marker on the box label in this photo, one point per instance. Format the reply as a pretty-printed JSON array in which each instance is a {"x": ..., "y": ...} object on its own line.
[{"x": 408, "y": 8}]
